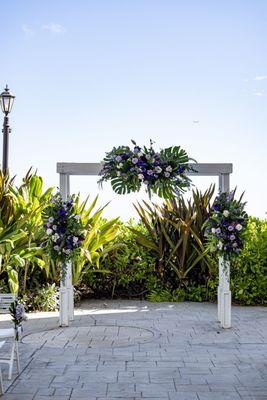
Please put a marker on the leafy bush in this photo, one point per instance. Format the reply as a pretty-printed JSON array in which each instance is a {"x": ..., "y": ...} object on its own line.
[
  {"x": 45, "y": 298},
  {"x": 127, "y": 270},
  {"x": 249, "y": 270}
]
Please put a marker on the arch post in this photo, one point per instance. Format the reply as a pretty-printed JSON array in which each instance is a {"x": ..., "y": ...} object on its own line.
[
  {"x": 224, "y": 296},
  {"x": 66, "y": 311}
]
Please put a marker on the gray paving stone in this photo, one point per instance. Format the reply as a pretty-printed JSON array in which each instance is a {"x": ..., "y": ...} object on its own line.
[
  {"x": 184, "y": 396},
  {"x": 170, "y": 351}
]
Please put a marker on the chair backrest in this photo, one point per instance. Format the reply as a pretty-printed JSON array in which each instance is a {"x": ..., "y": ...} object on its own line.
[{"x": 5, "y": 300}]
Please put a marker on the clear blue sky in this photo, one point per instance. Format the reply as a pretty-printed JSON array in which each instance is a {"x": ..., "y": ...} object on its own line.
[{"x": 88, "y": 75}]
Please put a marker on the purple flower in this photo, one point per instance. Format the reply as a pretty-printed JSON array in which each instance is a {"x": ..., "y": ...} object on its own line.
[
  {"x": 62, "y": 212},
  {"x": 20, "y": 311},
  {"x": 232, "y": 237},
  {"x": 230, "y": 228},
  {"x": 218, "y": 231}
]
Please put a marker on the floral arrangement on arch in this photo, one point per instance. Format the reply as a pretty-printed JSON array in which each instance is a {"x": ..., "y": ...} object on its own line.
[
  {"x": 64, "y": 231},
  {"x": 18, "y": 315},
  {"x": 162, "y": 173},
  {"x": 226, "y": 226}
]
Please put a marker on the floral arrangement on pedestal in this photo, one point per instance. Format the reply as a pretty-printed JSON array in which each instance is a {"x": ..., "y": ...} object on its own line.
[
  {"x": 226, "y": 226},
  {"x": 17, "y": 313},
  {"x": 64, "y": 231},
  {"x": 162, "y": 173}
]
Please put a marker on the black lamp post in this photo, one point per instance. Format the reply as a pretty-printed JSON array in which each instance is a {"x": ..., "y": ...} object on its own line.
[{"x": 6, "y": 101}]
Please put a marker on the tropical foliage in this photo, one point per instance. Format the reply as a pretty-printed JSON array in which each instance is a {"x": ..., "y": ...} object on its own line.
[
  {"x": 20, "y": 233},
  {"x": 163, "y": 173},
  {"x": 163, "y": 257}
]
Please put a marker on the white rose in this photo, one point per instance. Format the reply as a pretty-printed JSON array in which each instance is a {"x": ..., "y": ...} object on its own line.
[
  {"x": 220, "y": 245},
  {"x": 158, "y": 170},
  {"x": 213, "y": 230},
  {"x": 118, "y": 173},
  {"x": 238, "y": 227},
  {"x": 55, "y": 237},
  {"x": 140, "y": 154},
  {"x": 169, "y": 169},
  {"x": 140, "y": 176},
  {"x": 120, "y": 165},
  {"x": 75, "y": 239},
  {"x": 226, "y": 213},
  {"x": 49, "y": 231},
  {"x": 56, "y": 248},
  {"x": 167, "y": 174},
  {"x": 50, "y": 219},
  {"x": 54, "y": 227}
]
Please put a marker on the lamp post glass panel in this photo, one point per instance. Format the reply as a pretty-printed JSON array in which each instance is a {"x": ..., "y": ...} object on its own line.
[{"x": 6, "y": 101}]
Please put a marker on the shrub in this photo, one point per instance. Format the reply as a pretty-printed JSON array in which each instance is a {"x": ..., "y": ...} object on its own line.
[
  {"x": 249, "y": 270},
  {"x": 125, "y": 271},
  {"x": 45, "y": 298}
]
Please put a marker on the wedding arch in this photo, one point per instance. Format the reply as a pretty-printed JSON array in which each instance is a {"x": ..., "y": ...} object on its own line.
[{"x": 222, "y": 171}]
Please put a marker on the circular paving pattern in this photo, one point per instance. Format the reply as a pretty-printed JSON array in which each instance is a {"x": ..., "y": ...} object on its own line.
[{"x": 90, "y": 336}]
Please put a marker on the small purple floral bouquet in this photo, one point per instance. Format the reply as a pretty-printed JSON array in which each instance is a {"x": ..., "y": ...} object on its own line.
[
  {"x": 162, "y": 173},
  {"x": 17, "y": 313},
  {"x": 226, "y": 225},
  {"x": 64, "y": 231}
]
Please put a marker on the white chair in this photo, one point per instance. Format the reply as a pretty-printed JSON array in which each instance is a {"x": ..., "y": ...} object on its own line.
[
  {"x": 9, "y": 333},
  {"x": 1, "y": 378}
]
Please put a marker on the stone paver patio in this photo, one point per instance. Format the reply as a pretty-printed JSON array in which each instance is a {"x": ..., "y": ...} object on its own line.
[{"x": 138, "y": 350}]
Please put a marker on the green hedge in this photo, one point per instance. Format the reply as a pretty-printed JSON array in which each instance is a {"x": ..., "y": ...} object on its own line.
[
  {"x": 129, "y": 272},
  {"x": 249, "y": 271}
]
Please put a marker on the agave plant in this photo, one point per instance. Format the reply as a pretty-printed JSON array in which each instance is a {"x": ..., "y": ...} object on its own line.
[{"x": 176, "y": 236}]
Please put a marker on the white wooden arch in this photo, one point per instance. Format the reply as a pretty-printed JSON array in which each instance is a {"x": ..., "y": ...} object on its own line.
[{"x": 222, "y": 171}]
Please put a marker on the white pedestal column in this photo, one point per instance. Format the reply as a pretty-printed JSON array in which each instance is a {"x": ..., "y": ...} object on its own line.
[
  {"x": 63, "y": 306},
  {"x": 66, "y": 298},
  {"x": 70, "y": 293},
  {"x": 224, "y": 294}
]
